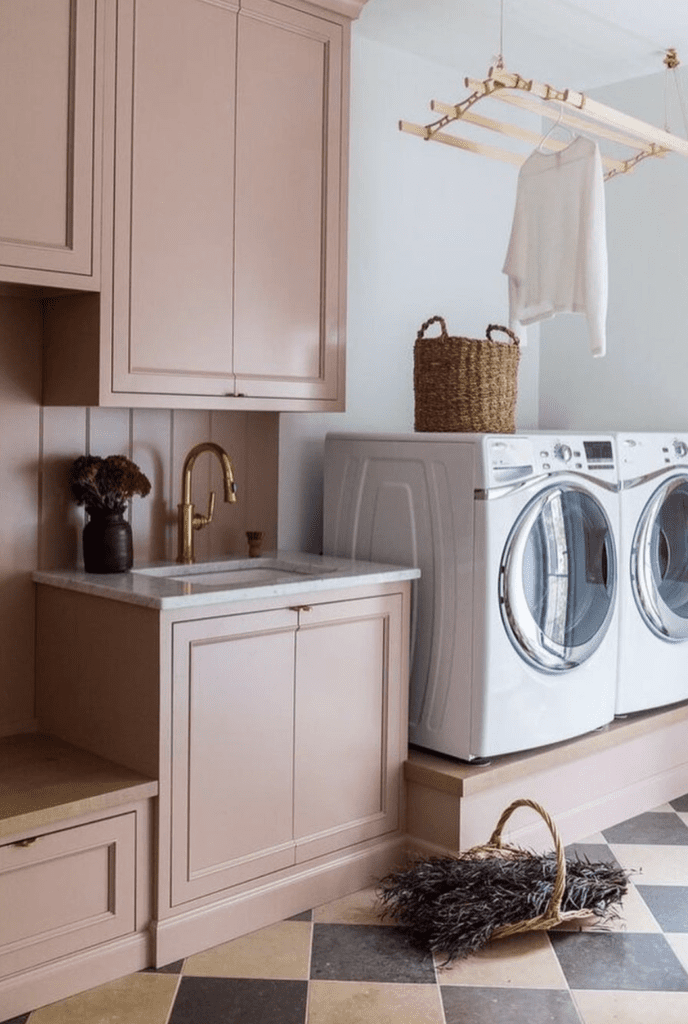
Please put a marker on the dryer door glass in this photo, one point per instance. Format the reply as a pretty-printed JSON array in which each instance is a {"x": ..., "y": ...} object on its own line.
[
  {"x": 558, "y": 578},
  {"x": 659, "y": 561}
]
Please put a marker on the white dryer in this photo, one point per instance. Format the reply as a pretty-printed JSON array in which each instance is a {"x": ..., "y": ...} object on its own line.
[
  {"x": 653, "y": 559},
  {"x": 514, "y": 626}
]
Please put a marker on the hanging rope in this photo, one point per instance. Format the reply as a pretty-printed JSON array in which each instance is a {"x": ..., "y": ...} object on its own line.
[
  {"x": 672, "y": 62},
  {"x": 499, "y": 59}
]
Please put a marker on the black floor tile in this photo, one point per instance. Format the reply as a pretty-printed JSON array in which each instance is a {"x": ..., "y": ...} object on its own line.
[
  {"x": 507, "y": 1006},
  {"x": 599, "y": 960},
  {"x": 307, "y": 915},
  {"x": 654, "y": 828},
  {"x": 239, "y": 1001},
  {"x": 375, "y": 953},
  {"x": 669, "y": 904},
  {"x": 21, "y": 1019},
  {"x": 680, "y": 803},
  {"x": 596, "y": 853}
]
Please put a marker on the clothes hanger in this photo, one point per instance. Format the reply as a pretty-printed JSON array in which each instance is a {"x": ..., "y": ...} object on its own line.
[{"x": 555, "y": 124}]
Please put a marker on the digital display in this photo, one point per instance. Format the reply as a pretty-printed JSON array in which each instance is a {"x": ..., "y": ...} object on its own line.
[{"x": 598, "y": 451}]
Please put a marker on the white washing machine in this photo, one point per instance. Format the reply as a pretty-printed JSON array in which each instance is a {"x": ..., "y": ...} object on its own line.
[
  {"x": 653, "y": 573},
  {"x": 514, "y": 627}
]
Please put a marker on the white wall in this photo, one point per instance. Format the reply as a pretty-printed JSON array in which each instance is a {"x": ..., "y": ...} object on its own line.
[
  {"x": 642, "y": 383},
  {"x": 428, "y": 229}
]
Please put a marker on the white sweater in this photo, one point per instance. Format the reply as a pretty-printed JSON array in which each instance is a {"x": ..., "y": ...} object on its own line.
[{"x": 557, "y": 255}]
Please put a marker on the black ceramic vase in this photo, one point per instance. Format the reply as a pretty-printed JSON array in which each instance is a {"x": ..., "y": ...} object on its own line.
[{"x": 107, "y": 542}]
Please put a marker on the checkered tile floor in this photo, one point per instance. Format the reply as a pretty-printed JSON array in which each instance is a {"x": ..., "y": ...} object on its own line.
[{"x": 338, "y": 964}]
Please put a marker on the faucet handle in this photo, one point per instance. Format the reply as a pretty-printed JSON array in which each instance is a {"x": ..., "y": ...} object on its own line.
[{"x": 200, "y": 521}]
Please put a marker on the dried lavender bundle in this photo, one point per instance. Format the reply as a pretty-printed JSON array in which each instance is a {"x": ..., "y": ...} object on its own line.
[{"x": 453, "y": 906}]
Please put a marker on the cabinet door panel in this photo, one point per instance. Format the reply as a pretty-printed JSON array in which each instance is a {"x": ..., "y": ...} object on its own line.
[
  {"x": 174, "y": 196},
  {"x": 232, "y": 751},
  {"x": 288, "y": 203},
  {"x": 347, "y": 742},
  {"x": 47, "y": 104}
]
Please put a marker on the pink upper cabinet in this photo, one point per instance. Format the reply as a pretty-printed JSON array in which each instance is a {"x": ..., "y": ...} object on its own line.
[
  {"x": 224, "y": 241},
  {"x": 49, "y": 83},
  {"x": 287, "y": 333},
  {"x": 174, "y": 197}
]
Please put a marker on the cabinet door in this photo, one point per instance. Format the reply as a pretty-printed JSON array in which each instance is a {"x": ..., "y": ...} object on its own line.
[
  {"x": 350, "y": 736},
  {"x": 232, "y": 750},
  {"x": 174, "y": 196},
  {"x": 47, "y": 104},
  {"x": 288, "y": 337}
]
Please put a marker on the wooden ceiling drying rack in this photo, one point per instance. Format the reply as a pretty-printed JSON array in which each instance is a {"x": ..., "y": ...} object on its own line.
[{"x": 586, "y": 116}]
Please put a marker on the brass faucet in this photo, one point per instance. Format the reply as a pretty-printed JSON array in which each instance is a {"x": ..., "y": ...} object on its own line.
[{"x": 190, "y": 520}]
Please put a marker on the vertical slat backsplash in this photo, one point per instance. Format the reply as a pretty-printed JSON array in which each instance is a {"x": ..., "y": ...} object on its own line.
[
  {"x": 63, "y": 437},
  {"x": 20, "y": 386},
  {"x": 158, "y": 440},
  {"x": 40, "y": 525},
  {"x": 153, "y": 519}
]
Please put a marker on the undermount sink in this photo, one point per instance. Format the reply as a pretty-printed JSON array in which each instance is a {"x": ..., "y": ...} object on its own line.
[{"x": 237, "y": 573}]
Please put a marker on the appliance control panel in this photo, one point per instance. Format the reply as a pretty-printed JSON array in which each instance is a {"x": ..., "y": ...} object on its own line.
[
  {"x": 640, "y": 454},
  {"x": 509, "y": 459}
]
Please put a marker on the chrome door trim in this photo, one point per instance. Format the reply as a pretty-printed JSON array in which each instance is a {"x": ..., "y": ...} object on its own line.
[
  {"x": 530, "y": 640},
  {"x": 638, "y": 481},
  {"x": 653, "y": 608},
  {"x": 505, "y": 490}
]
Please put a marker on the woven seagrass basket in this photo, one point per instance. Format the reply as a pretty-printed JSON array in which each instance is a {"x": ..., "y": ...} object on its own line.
[{"x": 465, "y": 384}]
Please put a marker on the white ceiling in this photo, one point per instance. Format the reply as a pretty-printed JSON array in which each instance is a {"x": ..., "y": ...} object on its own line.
[{"x": 579, "y": 44}]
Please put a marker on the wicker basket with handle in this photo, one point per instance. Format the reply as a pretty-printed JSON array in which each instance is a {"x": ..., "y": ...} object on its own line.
[
  {"x": 553, "y": 914},
  {"x": 465, "y": 384},
  {"x": 454, "y": 905}
]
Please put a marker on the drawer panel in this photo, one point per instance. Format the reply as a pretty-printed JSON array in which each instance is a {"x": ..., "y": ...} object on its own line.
[{"x": 65, "y": 891}]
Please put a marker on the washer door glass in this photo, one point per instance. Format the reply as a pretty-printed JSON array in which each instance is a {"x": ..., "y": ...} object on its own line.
[
  {"x": 659, "y": 560},
  {"x": 558, "y": 578}
]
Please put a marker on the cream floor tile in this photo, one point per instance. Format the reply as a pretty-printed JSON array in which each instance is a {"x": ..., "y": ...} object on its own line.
[
  {"x": 359, "y": 908},
  {"x": 347, "y": 1002},
  {"x": 664, "y": 808},
  {"x": 679, "y": 944},
  {"x": 633, "y": 916},
  {"x": 653, "y": 865},
  {"x": 279, "y": 951},
  {"x": 521, "y": 961},
  {"x": 632, "y": 1007},
  {"x": 130, "y": 1000}
]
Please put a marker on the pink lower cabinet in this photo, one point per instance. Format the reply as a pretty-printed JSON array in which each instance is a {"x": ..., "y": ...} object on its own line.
[
  {"x": 288, "y": 737},
  {"x": 276, "y": 728},
  {"x": 65, "y": 891}
]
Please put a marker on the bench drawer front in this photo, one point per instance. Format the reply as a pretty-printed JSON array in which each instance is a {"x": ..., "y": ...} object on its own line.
[{"x": 65, "y": 891}]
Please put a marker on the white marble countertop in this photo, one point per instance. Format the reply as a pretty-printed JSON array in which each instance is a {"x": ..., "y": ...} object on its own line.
[{"x": 168, "y": 585}]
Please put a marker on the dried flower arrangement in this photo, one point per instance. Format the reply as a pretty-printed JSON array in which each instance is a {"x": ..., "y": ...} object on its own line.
[{"x": 106, "y": 484}]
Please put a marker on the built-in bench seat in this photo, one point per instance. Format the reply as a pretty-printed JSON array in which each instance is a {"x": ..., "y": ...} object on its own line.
[{"x": 75, "y": 869}]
